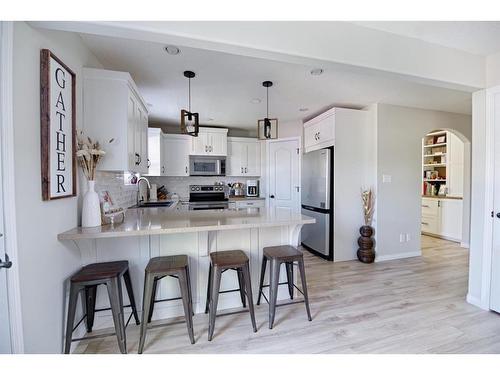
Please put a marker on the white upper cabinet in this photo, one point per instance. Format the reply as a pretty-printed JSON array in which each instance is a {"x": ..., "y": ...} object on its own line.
[
  {"x": 175, "y": 155},
  {"x": 319, "y": 132},
  {"x": 155, "y": 151},
  {"x": 114, "y": 109},
  {"x": 243, "y": 157},
  {"x": 210, "y": 141}
]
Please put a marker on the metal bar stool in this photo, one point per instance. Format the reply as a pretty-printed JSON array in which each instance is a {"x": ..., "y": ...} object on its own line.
[
  {"x": 176, "y": 266},
  {"x": 220, "y": 262},
  {"x": 278, "y": 255},
  {"x": 87, "y": 279}
]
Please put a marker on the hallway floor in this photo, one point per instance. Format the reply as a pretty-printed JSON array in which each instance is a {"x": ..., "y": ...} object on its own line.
[{"x": 413, "y": 305}]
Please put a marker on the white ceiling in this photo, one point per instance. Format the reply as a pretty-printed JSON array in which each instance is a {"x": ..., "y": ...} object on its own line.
[
  {"x": 477, "y": 37},
  {"x": 225, "y": 85}
]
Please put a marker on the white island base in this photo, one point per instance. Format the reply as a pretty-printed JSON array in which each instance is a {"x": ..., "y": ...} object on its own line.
[{"x": 152, "y": 232}]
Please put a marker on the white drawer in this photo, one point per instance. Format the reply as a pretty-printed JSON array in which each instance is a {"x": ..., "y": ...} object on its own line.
[
  {"x": 430, "y": 224},
  {"x": 250, "y": 203},
  {"x": 430, "y": 207}
]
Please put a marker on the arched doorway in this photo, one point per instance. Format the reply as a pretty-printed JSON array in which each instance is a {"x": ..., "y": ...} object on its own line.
[{"x": 446, "y": 184}]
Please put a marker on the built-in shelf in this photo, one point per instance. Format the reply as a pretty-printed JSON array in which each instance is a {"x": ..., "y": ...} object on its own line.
[
  {"x": 441, "y": 132},
  {"x": 435, "y": 145},
  {"x": 435, "y": 180},
  {"x": 435, "y": 165},
  {"x": 432, "y": 155}
]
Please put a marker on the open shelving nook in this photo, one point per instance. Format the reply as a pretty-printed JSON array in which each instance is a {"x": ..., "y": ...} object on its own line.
[{"x": 435, "y": 163}]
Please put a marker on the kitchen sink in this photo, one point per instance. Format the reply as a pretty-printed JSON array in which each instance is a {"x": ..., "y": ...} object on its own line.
[{"x": 155, "y": 204}]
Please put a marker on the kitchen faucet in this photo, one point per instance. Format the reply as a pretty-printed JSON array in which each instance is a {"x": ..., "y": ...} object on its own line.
[{"x": 139, "y": 188}]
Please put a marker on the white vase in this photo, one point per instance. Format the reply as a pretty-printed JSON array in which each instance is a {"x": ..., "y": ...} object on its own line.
[{"x": 91, "y": 210}]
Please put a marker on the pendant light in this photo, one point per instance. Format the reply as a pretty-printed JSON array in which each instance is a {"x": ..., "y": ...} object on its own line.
[
  {"x": 267, "y": 128},
  {"x": 189, "y": 120}
]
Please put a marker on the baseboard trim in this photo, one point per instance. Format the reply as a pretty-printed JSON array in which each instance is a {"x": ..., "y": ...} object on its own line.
[
  {"x": 475, "y": 301},
  {"x": 384, "y": 258}
]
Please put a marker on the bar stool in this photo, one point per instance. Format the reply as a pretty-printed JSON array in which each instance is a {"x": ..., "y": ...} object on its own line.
[
  {"x": 176, "y": 266},
  {"x": 87, "y": 279},
  {"x": 278, "y": 255},
  {"x": 220, "y": 262}
]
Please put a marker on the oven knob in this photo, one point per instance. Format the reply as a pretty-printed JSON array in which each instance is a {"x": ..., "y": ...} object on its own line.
[{"x": 198, "y": 188}]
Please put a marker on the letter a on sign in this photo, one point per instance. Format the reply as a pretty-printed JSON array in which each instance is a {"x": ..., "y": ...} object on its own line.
[{"x": 58, "y": 128}]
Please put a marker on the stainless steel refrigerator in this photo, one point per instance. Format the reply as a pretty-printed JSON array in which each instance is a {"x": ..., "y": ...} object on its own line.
[{"x": 317, "y": 202}]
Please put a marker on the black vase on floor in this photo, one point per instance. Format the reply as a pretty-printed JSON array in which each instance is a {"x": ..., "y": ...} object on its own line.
[{"x": 366, "y": 253}]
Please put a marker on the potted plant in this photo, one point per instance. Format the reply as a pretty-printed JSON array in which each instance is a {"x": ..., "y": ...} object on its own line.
[
  {"x": 366, "y": 252},
  {"x": 89, "y": 154}
]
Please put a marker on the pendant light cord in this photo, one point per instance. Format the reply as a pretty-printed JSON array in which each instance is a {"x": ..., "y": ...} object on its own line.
[
  {"x": 189, "y": 93},
  {"x": 267, "y": 102}
]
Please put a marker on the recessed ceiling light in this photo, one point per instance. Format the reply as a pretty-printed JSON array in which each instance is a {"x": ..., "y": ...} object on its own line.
[
  {"x": 255, "y": 101},
  {"x": 303, "y": 109},
  {"x": 172, "y": 50},
  {"x": 210, "y": 119},
  {"x": 317, "y": 72}
]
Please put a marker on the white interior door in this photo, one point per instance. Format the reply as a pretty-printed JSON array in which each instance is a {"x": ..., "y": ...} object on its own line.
[
  {"x": 284, "y": 174},
  {"x": 5, "y": 338},
  {"x": 495, "y": 257}
]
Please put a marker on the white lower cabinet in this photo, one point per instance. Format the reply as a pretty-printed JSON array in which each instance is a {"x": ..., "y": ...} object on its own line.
[
  {"x": 250, "y": 203},
  {"x": 442, "y": 217}
]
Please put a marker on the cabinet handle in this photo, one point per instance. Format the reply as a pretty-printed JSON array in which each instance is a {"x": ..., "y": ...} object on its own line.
[
  {"x": 186, "y": 169},
  {"x": 246, "y": 170},
  {"x": 426, "y": 206},
  {"x": 319, "y": 135},
  {"x": 162, "y": 169},
  {"x": 424, "y": 223},
  {"x": 206, "y": 148},
  {"x": 241, "y": 169},
  {"x": 439, "y": 203},
  {"x": 137, "y": 159},
  {"x": 149, "y": 163},
  {"x": 211, "y": 148}
]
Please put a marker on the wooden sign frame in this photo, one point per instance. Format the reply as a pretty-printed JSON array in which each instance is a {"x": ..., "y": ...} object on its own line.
[{"x": 46, "y": 56}]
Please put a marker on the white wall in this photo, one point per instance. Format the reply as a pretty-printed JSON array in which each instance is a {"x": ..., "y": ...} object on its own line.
[
  {"x": 44, "y": 262},
  {"x": 399, "y": 135},
  {"x": 493, "y": 70}
]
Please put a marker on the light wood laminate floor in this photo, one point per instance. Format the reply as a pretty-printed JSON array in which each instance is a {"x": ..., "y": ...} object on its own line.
[{"x": 413, "y": 305}]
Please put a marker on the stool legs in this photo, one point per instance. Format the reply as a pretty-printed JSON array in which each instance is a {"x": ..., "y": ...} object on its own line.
[
  {"x": 115, "y": 297},
  {"x": 146, "y": 306},
  {"x": 209, "y": 288},
  {"x": 273, "y": 289},
  {"x": 304, "y": 287},
  {"x": 153, "y": 298},
  {"x": 262, "y": 274},
  {"x": 241, "y": 285},
  {"x": 186, "y": 300},
  {"x": 73, "y": 299},
  {"x": 130, "y": 292},
  {"x": 248, "y": 288},
  {"x": 289, "y": 277},
  {"x": 90, "y": 298},
  {"x": 214, "y": 298}
]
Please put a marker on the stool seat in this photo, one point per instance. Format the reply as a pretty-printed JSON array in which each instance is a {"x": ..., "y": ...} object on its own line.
[
  {"x": 284, "y": 252},
  {"x": 229, "y": 258},
  {"x": 167, "y": 263},
  {"x": 100, "y": 271}
]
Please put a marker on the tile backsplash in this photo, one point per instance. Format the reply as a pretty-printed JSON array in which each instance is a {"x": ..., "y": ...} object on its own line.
[
  {"x": 124, "y": 194},
  {"x": 180, "y": 185}
]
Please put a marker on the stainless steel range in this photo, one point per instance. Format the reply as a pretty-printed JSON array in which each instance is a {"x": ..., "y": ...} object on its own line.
[{"x": 207, "y": 197}]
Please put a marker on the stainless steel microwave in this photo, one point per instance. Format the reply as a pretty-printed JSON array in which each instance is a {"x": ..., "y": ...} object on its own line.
[{"x": 207, "y": 166}]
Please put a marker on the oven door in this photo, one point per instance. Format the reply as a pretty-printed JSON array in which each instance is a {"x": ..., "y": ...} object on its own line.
[
  {"x": 198, "y": 206},
  {"x": 206, "y": 166}
]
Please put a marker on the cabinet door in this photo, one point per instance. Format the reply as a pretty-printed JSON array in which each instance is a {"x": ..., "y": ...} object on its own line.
[
  {"x": 133, "y": 159},
  {"x": 234, "y": 161},
  {"x": 455, "y": 173},
  {"x": 155, "y": 157},
  {"x": 217, "y": 144},
  {"x": 451, "y": 219},
  {"x": 138, "y": 133},
  {"x": 319, "y": 133},
  {"x": 200, "y": 144},
  {"x": 253, "y": 159},
  {"x": 176, "y": 155}
]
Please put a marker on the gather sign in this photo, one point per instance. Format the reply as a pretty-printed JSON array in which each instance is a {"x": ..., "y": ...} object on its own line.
[{"x": 58, "y": 128}]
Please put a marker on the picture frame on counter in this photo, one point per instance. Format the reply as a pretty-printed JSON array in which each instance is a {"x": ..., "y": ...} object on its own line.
[{"x": 57, "y": 127}]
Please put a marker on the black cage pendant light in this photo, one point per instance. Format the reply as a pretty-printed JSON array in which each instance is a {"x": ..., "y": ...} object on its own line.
[
  {"x": 189, "y": 120},
  {"x": 267, "y": 128}
]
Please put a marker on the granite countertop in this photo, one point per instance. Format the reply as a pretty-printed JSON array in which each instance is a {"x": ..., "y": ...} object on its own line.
[{"x": 155, "y": 221}]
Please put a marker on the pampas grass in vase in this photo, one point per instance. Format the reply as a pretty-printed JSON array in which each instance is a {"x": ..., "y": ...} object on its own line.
[{"x": 366, "y": 252}]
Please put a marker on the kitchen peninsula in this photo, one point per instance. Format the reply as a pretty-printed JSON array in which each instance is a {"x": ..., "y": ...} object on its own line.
[{"x": 150, "y": 232}]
